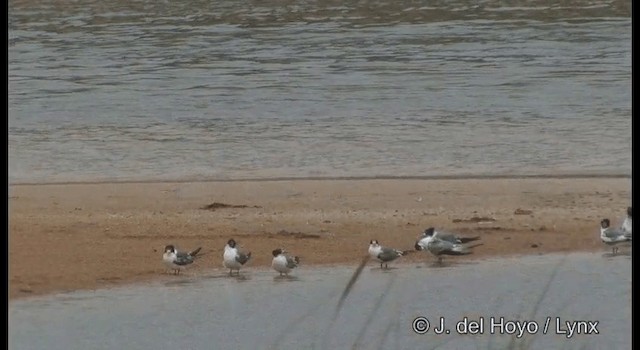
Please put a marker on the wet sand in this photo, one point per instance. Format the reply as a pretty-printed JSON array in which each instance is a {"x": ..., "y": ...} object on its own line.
[{"x": 86, "y": 236}]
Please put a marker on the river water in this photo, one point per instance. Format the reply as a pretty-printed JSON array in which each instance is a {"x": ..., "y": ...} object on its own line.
[
  {"x": 261, "y": 310},
  {"x": 229, "y": 89}
]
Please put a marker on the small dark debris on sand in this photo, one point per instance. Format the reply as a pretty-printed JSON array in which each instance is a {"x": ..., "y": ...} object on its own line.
[
  {"x": 522, "y": 212},
  {"x": 491, "y": 228},
  {"x": 216, "y": 205},
  {"x": 475, "y": 219},
  {"x": 534, "y": 246},
  {"x": 293, "y": 234}
]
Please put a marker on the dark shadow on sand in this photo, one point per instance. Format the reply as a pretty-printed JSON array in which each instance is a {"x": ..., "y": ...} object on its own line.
[
  {"x": 286, "y": 278},
  {"x": 446, "y": 263},
  {"x": 610, "y": 255},
  {"x": 180, "y": 282},
  {"x": 241, "y": 277},
  {"x": 384, "y": 269}
]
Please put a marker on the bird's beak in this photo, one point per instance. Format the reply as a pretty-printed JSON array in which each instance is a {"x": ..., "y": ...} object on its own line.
[{"x": 418, "y": 246}]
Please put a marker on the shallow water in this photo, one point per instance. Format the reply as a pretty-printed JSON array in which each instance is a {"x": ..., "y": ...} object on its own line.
[
  {"x": 262, "y": 311},
  {"x": 149, "y": 89}
]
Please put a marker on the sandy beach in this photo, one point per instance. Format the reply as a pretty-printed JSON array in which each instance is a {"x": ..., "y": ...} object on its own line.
[{"x": 84, "y": 236}]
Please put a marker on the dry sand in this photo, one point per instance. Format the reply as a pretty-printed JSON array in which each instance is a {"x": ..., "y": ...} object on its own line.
[{"x": 85, "y": 236}]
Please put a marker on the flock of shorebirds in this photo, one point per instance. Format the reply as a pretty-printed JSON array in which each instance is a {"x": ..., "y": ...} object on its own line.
[{"x": 439, "y": 243}]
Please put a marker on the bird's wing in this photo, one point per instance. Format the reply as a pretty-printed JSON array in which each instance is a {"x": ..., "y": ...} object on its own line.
[
  {"x": 292, "y": 261},
  {"x": 388, "y": 254},
  {"x": 447, "y": 236},
  {"x": 183, "y": 259},
  {"x": 242, "y": 258},
  {"x": 613, "y": 233}
]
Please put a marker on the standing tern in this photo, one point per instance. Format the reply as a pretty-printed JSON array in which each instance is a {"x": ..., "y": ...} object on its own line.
[
  {"x": 439, "y": 247},
  {"x": 613, "y": 236},
  {"x": 233, "y": 258},
  {"x": 176, "y": 260},
  {"x": 282, "y": 262},
  {"x": 384, "y": 255}
]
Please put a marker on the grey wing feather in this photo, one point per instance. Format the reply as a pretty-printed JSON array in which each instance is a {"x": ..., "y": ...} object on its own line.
[
  {"x": 613, "y": 233},
  {"x": 242, "y": 258},
  {"x": 182, "y": 255},
  {"x": 449, "y": 237},
  {"x": 453, "y": 238},
  {"x": 183, "y": 259},
  {"x": 441, "y": 245},
  {"x": 448, "y": 248},
  {"x": 388, "y": 254},
  {"x": 292, "y": 261}
]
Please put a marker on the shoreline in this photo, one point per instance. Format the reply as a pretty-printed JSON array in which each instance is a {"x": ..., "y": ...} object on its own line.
[
  {"x": 220, "y": 272},
  {"x": 337, "y": 178},
  {"x": 66, "y": 237}
]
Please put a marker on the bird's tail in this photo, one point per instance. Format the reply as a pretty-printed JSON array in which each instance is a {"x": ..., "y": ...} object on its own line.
[
  {"x": 456, "y": 252},
  {"x": 195, "y": 252},
  {"x": 469, "y": 239},
  {"x": 459, "y": 249},
  {"x": 475, "y": 245}
]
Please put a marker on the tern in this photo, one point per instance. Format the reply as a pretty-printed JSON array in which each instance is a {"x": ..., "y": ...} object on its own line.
[
  {"x": 178, "y": 261},
  {"x": 234, "y": 259},
  {"x": 439, "y": 247},
  {"x": 613, "y": 236},
  {"x": 283, "y": 263},
  {"x": 384, "y": 255}
]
